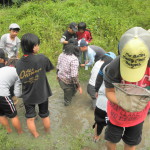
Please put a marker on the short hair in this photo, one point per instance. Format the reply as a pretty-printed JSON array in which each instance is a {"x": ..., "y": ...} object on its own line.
[
  {"x": 82, "y": 25},
  {"x": 15, "y": 29},
  {"x": 12, "y": 61},
  {"x": 28, "y": 41}
]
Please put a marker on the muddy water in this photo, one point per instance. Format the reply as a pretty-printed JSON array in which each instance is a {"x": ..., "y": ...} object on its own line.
[{"x": 79, "y": 117}]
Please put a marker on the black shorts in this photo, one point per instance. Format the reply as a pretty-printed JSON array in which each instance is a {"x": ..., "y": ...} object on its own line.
[
  {"x": 7, "y": 107},
  {"x": 100, "y": 119},
  {"x": 43, "y": 110},
  {"x": 130, "y": 135}
]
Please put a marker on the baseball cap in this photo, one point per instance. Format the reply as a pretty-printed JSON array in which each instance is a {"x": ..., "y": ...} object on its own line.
[
  {"x": 73, "y": 26},
  {"x": 82, "y": 43},
  {"x": 134, "y": 48},
  {"x": 14, "y": 26},
  {"x": 111, "y": 54}
]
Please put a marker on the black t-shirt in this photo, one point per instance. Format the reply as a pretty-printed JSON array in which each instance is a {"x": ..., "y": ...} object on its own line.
[
  {"x": 68, "y": 36},
  {"x": 32, "y": 73},
  {"x": 112, "y": 73}
]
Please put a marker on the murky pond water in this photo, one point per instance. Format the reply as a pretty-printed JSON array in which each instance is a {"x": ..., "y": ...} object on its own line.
[{"x": 68, "y": 122}]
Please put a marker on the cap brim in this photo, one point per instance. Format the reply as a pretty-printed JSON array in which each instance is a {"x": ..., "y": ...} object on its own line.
[{"x": 132, "y": 75}]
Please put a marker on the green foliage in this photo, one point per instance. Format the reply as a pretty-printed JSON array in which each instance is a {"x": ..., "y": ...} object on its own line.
[
  {"x": 5, "y": 142},
  {"x": 107, "y": 20}
]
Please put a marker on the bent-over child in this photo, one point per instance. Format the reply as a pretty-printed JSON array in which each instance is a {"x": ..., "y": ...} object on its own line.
[{"x": 8, "y": 78}]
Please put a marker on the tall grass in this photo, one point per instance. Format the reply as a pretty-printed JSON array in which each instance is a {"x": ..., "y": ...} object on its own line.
[{"x": 107, "y": 20}]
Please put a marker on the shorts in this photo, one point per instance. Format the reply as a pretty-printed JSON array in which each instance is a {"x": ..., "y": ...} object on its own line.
[
  {"x": 100, "y": 119},
  {"x": 130, "y": 135},
  {"x": 7, "y": 107},
  {"x": 43, "y": 110}
]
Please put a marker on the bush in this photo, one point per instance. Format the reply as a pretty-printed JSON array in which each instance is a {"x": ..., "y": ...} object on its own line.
[{"x": 107, "y": 20}]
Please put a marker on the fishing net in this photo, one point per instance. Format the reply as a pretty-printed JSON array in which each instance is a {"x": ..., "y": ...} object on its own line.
[{"x": 131, "y": 97}]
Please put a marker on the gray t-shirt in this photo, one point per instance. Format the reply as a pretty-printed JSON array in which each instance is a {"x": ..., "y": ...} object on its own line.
[
  {"x": 10, "y": 47},
  {"x": 98, "y": 50}
]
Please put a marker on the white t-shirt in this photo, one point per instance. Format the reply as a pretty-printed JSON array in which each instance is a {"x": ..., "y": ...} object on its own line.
[
  {"x": 101, "y": 101},
  {"x": 95, "y": 71},
  {"x": 9, "y": 77},
  {"x": 10, "y": 47}
]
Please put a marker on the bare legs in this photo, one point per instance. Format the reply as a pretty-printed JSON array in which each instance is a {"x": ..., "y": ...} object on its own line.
[
  {"x": 96, "y": 137},
  {"x": 46, "y": 123},
  {"x": 112, "y": 146},
  {"x": 15, "y": 122},
  {"x": 32, "y": 128}
]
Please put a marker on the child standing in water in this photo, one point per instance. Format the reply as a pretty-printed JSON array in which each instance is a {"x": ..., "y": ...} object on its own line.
[
  {"x": 32, "y": 68},
  {"x": 8, "y": 78},
  {"x": 67, "y": 72}
]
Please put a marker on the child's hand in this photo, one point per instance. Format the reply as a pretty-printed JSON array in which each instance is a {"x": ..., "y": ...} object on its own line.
[
  {"x": 86, "y": 62},
  {"x": 96, "y": 94},
  {"x": 82, "y": 65},
  {"x": 80, "y": 89}
]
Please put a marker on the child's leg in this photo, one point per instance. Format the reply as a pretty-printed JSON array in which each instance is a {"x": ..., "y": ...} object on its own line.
[
  {"x": 31, "y": 126},
  {"x": 30, "y": 115},
  {"x": 44, "y": 114},
  {"x": 91, "y": 92},
  {"x": 128, "y": 147},
  {"x": 5, "y": 123},
  {"x": 16, "y": 123},
  {"x": 46, "y": 123},
  {"x": 68, "y": 93},
  {"x": 100, "y": 122},
  {"x": 110, "y": 145}
]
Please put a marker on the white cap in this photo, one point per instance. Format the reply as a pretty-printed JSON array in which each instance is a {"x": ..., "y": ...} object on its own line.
[{"x": 14, "y": 25}]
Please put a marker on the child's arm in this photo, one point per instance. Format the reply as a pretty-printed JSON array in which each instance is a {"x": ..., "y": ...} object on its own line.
[
  {"x": 74, "y": 74},
  {"x": 110, "y": 94},
  {"x": 48, "y": 65},
  {"x": 63, "y": 41},
  {"x": 63, "y": 38},
  {"x": 89, "y": 36},
  {"x": 18, "y": 88}
]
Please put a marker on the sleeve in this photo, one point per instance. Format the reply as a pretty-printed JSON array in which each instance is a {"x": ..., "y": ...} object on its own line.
[
  {"x": 48, "y": 65},
  {"x": 74, "y": 71},
  {"x": 63, "y": 38},
  {"x": 112, "y": 73},
  {"x": 18, "y": 44},
  {"x": 89, "y": 36},
  {"x": 99, "y": 79},
  {"x": 91, "y": 57},
  {"x": 18, "y": 88}
]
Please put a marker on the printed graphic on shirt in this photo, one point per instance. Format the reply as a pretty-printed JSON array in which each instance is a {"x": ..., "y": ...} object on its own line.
[
  {"x": 30, "y": 74},
  {"x": 119, "y": 116}
]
